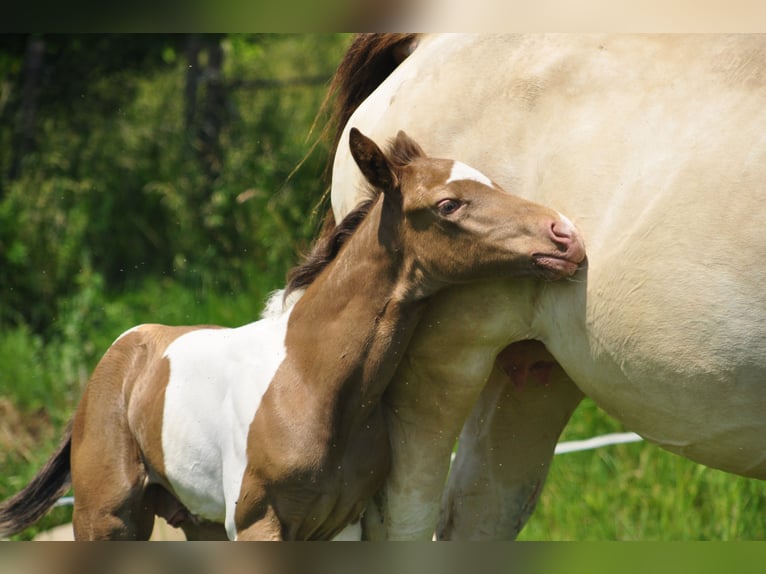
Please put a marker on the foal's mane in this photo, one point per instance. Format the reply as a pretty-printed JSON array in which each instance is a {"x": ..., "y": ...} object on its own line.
[
  {"x": 368, "y": 61},
  {"x": 400, "y": 152},
  {"x": 326, "y": 247}
]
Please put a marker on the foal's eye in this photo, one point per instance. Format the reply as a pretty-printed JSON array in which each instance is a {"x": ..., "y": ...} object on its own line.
[{"x": 448, "y": 206}]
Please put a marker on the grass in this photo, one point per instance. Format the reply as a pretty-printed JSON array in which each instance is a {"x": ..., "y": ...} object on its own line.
[
  {"x": 624, "y": 492},
  {"x": 41, "y": 380},
  {"x": 638, "y": 491}
]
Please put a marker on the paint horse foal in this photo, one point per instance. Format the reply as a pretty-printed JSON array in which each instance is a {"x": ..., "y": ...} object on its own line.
[{"x": 275, "y": 429}]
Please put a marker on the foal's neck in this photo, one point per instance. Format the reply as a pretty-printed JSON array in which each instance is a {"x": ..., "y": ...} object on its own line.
[{"x": 349, "y": 331}]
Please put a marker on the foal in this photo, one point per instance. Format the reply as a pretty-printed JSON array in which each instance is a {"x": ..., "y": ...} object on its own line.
[{"x": 275, "y": 429}]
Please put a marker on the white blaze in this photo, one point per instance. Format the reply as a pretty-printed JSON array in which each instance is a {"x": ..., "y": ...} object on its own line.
[{"x": 462, "y": 171}]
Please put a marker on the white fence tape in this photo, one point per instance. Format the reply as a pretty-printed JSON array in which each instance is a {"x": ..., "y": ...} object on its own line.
[
  {"x": 561, "y": 448},
  {"x": 64, "y": 501},
  {"x": 596, "y": 442}
]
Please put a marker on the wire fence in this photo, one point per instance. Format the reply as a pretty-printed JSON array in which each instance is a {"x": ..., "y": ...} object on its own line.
[{"x": 561, "y": 448}]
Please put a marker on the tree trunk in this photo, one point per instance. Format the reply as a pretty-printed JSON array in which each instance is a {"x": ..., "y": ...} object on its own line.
[
  {"x": 205, "y": 103},
  {"x": 193, "y": 46},
  {"x": 26, "y": 123},
  {"x": 209, "y": 150}
]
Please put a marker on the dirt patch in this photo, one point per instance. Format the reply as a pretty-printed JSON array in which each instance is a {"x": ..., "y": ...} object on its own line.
[{"x": 162, "y": 531}]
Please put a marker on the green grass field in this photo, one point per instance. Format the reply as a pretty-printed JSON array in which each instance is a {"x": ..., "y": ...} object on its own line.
[
  {"x": 638, "y": 491},
  {"x": 623, "y": 492},
  {"x": 41, "y": 381}
]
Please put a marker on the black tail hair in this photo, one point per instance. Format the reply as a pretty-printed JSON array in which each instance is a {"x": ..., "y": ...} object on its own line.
[{"x": 30, "y": 504}]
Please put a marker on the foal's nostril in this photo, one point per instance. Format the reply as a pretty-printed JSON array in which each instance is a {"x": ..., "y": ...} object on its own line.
[
  {"x": 567, "y": 239},
  {"x": 561, "y": 234},
  {"x": 561, "y": 230}
]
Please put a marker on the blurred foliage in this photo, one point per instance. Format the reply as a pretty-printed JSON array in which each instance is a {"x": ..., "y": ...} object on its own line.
[
  {"x": 124, "y": 157},
  {"x": 143, "y": 178},
  {"x": 127, "y": 197}
]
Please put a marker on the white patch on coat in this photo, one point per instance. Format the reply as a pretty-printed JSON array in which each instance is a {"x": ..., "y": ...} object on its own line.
[
  {"x": 277, "y": 303},
  {"x": 461, "y": 171},
  {"x": 217, "y": 379}
]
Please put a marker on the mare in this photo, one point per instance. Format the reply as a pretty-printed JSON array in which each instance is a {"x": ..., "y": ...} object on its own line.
[
  {"x": 655, "y": 146},
  {"x": 274, "y": 430}
]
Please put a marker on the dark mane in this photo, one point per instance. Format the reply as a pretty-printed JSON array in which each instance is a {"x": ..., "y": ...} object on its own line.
[
  {"x": 369, "y": 60},
  {"x": 331, "y": 238},
  {"x": 326, "y": 248}
]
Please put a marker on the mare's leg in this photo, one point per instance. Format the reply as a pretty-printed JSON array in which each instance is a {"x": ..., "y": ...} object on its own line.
[
  {"x": 507, "y": 445},
  {"x": 448, "y": 362},
  {"x": 423, "y": 424}
]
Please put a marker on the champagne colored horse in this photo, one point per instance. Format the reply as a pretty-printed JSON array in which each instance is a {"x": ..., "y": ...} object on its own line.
[
  {"x": 656, "y": 147},
  {"x": 275, "y": 429}
]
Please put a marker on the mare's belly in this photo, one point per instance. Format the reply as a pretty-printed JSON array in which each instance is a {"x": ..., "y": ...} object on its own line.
[{"x": 677, "y": 355}]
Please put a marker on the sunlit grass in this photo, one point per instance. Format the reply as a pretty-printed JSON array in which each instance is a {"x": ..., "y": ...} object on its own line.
[
  {"x": 41, "y": 381},
  {"x": 638, "y": 491},
  {"x": 632, "y": 491}
]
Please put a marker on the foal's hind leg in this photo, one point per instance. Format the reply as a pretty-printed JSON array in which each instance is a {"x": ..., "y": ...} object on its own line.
[{"x": 108, "y": 477}]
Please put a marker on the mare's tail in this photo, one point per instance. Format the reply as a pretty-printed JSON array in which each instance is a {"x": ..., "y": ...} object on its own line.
[
  {"x": 36, "y": 498},
  {"x": 369, "y": 60}
]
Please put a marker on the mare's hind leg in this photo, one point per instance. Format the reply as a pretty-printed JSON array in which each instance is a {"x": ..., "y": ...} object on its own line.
[
  {"x": 507, "y": 445},
  {"x": 108, "y": 477}
]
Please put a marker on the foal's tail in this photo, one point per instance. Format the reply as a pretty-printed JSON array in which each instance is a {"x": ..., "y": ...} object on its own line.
[{"x": 36, "y": 498}]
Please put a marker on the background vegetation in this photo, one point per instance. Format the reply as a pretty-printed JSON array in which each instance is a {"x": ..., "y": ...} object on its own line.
[
  {"x": 143, "y": 178},
  {"x": 148, "y": 178}
]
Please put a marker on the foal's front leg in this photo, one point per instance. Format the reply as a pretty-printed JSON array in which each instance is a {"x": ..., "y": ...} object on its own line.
[
  {"x": 507, "y": 445},
  {"x": 254, "y": 517},
  {"x": 268, "y": 528}
]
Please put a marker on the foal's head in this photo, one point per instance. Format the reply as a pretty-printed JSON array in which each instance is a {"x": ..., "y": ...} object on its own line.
[{"x": 454, "y": 224}]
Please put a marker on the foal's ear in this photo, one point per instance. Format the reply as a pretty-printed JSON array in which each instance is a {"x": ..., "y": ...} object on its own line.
[
  {"x": 372, "y": 161},
  {"x": 405, "y": 150}
]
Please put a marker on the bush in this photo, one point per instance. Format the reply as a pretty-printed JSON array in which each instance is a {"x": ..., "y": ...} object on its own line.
[{"x": 117, "y": 183}]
